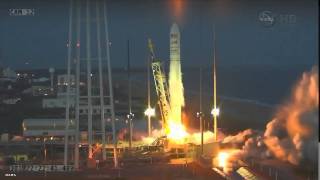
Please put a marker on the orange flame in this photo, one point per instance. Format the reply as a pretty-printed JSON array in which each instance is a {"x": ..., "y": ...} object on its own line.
[{"x": 176, "y": 132}]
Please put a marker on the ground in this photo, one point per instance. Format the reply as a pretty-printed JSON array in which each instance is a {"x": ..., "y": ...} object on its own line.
[{"x": 136, "y": 171}]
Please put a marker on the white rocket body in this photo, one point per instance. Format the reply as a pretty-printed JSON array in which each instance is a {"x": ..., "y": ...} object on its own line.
[
  {"x": 175, "y": 76},
  {"x": 174, "y": 44}
]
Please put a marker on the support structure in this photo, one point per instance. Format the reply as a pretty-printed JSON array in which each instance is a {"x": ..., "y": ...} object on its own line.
[
  {"x": 67, "y": 115},
  {"x": 161, "y": 86},
  {"x": 95, "y": 106}
]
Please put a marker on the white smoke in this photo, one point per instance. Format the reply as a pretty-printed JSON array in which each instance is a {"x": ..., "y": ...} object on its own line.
[
  {"x": 291, "y": 135},
  {"x": 195, "y": 138},
  {"x": 240, "y": 137}
]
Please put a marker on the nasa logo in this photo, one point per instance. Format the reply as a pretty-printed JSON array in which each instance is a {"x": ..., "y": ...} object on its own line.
[{"x": 267, "y": 18}]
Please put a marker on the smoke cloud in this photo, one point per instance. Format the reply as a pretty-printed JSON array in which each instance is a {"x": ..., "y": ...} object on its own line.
[{"x": 291, "y": 135}]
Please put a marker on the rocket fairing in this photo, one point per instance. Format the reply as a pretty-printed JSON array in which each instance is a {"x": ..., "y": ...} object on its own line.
[
  {"x": 174, "y": 43},
  {"x": 175, "y": 76}
]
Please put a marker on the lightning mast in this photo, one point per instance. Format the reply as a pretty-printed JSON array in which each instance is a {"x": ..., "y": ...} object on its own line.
[
  {"x": 215, "y": 110},
  {"x": 77, "y": 90},
  {"x": 111, "y": 101},
  {"x": 130, "y": 115},
  {"x": 215, "y": 97},
  {"x": 67, "y": 115}
]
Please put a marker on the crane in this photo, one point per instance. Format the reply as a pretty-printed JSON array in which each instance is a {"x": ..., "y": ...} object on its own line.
[{"x": 160, "y": 85}]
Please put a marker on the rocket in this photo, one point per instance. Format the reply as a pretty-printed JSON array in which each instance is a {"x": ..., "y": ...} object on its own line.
[
  {"x": 174, "y": 43},
  {"x": 175, "y": 76}
]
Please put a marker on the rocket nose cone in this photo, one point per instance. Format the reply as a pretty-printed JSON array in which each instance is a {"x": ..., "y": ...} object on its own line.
[{"x": 174, "y": 29}]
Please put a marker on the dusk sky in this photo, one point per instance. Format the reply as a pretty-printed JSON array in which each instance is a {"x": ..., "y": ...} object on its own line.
[{"x": 242, "y": 39}]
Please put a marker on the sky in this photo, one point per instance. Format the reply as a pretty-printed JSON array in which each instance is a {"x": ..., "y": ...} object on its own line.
[{"x": 39, "y": 41}]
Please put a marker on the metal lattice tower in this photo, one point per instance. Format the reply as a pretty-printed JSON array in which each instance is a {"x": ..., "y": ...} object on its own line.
[
  {"x": 93, "y": 95},
  {"x": 161, "y": 86}
]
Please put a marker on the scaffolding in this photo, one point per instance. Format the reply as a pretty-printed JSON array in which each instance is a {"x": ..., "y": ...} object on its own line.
[
  {"x": 160, "y": 85},
  {"x": 95, "y": 99}
]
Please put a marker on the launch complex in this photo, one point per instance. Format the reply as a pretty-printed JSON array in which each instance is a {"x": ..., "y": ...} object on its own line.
[
  {"x": 96, "y": 97},
  {"x": 98, "y": 137}
]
